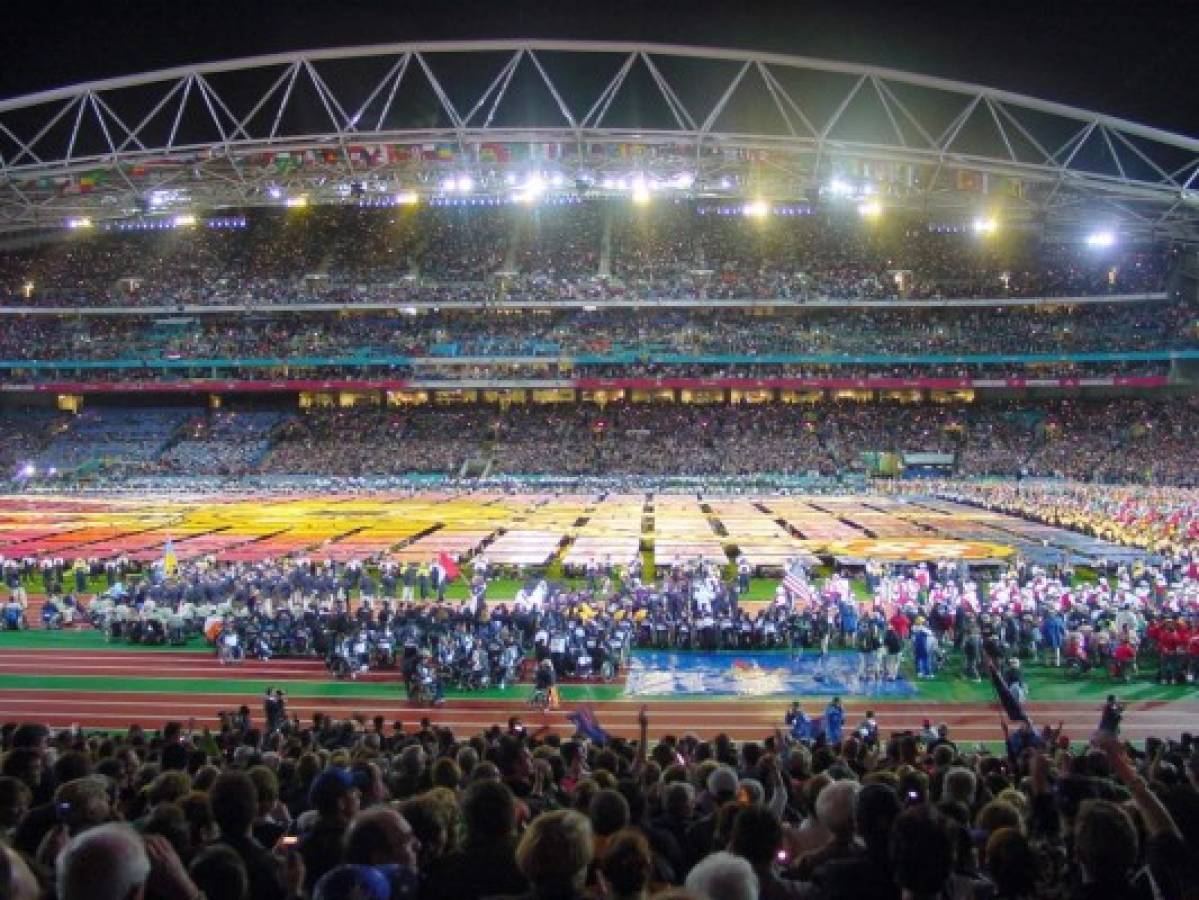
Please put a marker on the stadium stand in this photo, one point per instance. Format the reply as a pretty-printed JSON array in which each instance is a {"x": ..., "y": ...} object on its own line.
[{"x": 546, "y": 255}]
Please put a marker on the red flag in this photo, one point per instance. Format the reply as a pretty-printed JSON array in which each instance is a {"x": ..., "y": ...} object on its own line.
[{"x": 448, "y": 566}]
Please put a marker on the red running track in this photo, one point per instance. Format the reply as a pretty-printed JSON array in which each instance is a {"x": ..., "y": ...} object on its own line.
[{"x": 742, "y": 719}]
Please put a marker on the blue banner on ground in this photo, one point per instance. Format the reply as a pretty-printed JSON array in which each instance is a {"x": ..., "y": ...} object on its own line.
[{"x": 662, "y": 673}]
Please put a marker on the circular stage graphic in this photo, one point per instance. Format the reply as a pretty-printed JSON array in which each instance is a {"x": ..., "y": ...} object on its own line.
[{"x": 919, "y": 550}]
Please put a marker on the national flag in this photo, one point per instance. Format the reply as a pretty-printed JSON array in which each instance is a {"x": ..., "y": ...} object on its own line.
[
  {"x": 448, "y": 566},
  {"x": 1011, "y": 706},
  {"x": 587, "y": 725},
  {"x": 795, "y": 579},
  {"x": 169, "y": 562}
]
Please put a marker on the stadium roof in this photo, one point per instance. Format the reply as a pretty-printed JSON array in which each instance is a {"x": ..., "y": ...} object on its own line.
[{"x": 494, "y": 121}]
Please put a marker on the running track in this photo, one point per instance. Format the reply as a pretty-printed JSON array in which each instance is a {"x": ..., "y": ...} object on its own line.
[{"x": 744, "y": 718}]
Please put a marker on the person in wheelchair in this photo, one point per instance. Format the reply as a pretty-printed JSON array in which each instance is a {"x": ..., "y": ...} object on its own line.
[
  {"x": 14, "y": 615},
  {"x": 1123, "y": 660},
  {"x": 229, "y": 649},
  {"x": 153, "y": 631},
  {"x": 427, "y": 681},
  {"x": 52, "y": 616},
  {"x": 472, "y": 671},
  {"x": 544, "y": 684},
  {"x": 176, "y": 629},
  {"x": 1076, "y": 653},
  {"x": 505, "y": 663}
]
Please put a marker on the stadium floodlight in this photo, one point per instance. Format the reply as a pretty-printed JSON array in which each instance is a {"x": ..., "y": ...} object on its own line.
[
  {"x": 407, "y": 198},
  {"x": 986, "y": 225},
  {"x": 535, "y": 184},
  {"x": 297, "y": 202},
  {"x": 27, "y": 289},
  {"x": 640, "y": 194},
  {"x": 870, "y": 209},
  {"x": 465, "y": 184},
  {"x": 683, "y": 181},
  {"x": 185, "y": 221},
  {"x": 1101, "y": 239},
  {"x": 757, "y": 209},
  {"x": 608, "y": 183},
  {"x": 839, "y": 187},
  {"x": 77, "y": 223},
  {"x": 275, "y": 192},
  {"x": 557, "y": 179},
  {"x": 28, "y": 470}
]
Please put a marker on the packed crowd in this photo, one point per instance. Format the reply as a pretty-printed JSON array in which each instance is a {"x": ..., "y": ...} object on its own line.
[
  {"x": 221, "y": 443},
  {"x": 1128, "y": 440},
  {"x": 362, "y": 808},
  {"x": 1159, "y": 518},
  {"x": 557, "y": 253},
  {"x": 642, "y": 333},
  {"x": 558, "y": 373}
]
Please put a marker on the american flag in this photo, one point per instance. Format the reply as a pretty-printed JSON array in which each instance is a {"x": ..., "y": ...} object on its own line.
[{"x": 795, "y": 580}]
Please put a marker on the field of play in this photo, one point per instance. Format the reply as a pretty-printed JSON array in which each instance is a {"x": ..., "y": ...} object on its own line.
[
  {"x": 76, "y": 677},
  {"x": 530, "y": 531}
]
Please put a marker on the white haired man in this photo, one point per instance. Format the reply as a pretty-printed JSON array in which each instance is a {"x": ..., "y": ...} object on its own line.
[
  {"x": 106, "y": 861},
  {"x": 115, "y": 862},
  {"x": 725, "y": 876}
]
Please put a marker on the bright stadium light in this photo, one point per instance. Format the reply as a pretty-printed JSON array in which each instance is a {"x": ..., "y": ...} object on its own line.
[
  {"x": 275, "y": 192},
  {"x": 297, "y": 202},
  {"x": 28, "y": 470},
  {"x": 557, "y": 179},
  {"x": 1101, "y": 239},
  {"x": 407, "y": 198},
  {"x": 870, "y": 209},
  {"x": 640, "y": 194},
  {"x": 683, "y": 181},
  {"x": 985, "y": 226},
  {"x": 838, "y": 187},
  {"x": 81, "y": 222},
  {"x": 185, "y": 221},
  {"x": 757, "y": 209},
  {"x": 465, "y": 184}
]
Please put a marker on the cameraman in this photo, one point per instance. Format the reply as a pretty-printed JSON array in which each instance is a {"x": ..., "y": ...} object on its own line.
[
  {"x": 1113, "y": 714},
  {"x": 274, "y": 704}
]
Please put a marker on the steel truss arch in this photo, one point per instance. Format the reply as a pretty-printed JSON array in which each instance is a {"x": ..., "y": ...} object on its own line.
[{"x": 344, "y": 124}]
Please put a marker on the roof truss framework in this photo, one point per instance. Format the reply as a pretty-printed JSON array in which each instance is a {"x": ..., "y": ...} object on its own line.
[{"x": 100, "y": 148}]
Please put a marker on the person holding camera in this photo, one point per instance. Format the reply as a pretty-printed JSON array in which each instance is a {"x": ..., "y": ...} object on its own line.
[
  {"x": 1113, "y": 714},
  {"x": 274, "y": 705}
]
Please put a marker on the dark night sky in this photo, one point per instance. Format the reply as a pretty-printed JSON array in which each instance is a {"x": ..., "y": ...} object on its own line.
[{"x": 1135, "y": 59}]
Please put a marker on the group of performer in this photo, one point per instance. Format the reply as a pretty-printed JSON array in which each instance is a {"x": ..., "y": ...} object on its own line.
[{"x": 359, "y": 618}]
